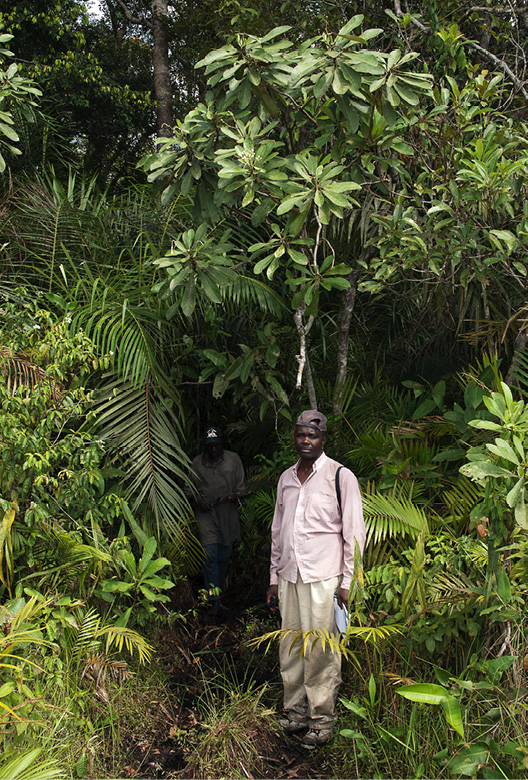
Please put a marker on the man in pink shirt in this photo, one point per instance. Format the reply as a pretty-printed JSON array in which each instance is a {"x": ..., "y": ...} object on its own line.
[{"x": 313, "y": 541}]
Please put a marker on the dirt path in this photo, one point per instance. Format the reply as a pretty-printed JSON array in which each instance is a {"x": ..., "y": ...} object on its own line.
[{"x": 222, "y": 708}]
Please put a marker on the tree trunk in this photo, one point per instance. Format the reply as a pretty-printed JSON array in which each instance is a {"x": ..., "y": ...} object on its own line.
[
  {"x": 349, "y": 301},
  {"x": 160, "y": 62}
]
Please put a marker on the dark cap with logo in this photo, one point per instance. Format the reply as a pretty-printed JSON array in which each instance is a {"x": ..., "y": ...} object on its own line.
[
  {"x": 313, "y": 419},
  {"x": 213, "y": 435}
]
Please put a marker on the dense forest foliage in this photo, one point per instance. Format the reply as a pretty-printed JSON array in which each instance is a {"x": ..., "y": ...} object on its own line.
[{"x": 223, "y": 212}]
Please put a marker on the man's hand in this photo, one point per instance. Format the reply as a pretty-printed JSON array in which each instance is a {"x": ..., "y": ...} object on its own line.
[
  {"x": 342, "y": 597},
  {"x": 273, "y": 593}
]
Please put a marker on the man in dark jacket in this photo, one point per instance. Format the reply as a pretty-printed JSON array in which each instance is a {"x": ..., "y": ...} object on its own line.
[{"x": 219, "y": 480}]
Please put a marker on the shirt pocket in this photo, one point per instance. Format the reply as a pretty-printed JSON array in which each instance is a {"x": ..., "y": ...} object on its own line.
[{"x": 322, "y": 514}]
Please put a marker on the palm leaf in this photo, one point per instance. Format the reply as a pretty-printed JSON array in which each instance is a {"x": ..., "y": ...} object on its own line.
[
  {"x": 137, "y": 421},
  {"x": 84, "y": 638},
  {"x": 391, "y": 516},
  {"x": 460, "y": 499},
  {"x": 90, "y": 631},
  {"x": 70, "y": 558},
  {"x": 450, "y": 587},
  {"x": 119, "y": 635},
  {"x": 97, "y": 667},
  {"x": 247, "y": 290},
  {"x": 18, "y": 372},
  {"x": 29, "y": 766},
  {"x": 519, "y": 372}
]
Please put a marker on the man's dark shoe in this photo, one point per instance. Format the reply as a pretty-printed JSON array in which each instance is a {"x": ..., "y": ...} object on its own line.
[
  {"x": 317, "y": 737},
  {"x": 292, "y": 725}
]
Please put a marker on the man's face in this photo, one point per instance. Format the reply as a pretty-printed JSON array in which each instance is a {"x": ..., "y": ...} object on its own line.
[
  {"x": 308, "y": 442},
  {"x": 214, "y": 450}
]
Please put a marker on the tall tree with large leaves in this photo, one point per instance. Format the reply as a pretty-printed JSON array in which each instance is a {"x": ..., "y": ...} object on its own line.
[{"x": 290, "y": 138}]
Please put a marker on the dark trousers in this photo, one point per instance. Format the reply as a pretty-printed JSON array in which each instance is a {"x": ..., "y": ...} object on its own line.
[{"x": 215, "y": 567}]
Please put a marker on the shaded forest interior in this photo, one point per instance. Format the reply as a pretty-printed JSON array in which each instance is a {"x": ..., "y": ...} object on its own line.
[{"x": 222, "y": 212}]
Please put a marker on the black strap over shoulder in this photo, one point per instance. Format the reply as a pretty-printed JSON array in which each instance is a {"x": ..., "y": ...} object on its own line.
[{"x": 338, "y": 487}]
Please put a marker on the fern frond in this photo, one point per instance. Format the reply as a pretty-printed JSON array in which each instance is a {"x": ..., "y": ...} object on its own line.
[{"x": 460, "y": 499}]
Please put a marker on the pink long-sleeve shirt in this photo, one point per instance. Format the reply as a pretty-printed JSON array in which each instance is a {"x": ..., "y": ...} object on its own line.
[{"x": 309, "y": 534}]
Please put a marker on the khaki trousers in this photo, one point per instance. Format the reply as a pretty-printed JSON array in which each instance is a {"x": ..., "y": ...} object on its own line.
[{"x": 310, "y": 683}]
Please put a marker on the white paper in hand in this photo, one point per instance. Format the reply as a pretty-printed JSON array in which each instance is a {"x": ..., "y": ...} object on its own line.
[{"x": 341, "y": 617}]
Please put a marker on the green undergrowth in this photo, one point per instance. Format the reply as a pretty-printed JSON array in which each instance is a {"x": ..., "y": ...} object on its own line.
[{"x": 93, "y": 730}]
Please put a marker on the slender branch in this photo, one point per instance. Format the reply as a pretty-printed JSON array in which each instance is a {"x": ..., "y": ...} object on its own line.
[
  {"x": 349, "y": 301},
  {"x": 500, "y": 64},
  {"x": 131, "y": 18},
  {"x": 521, "y": 9},
  {"x": 399, "y": 13},
  {"x": 302, "y": 357}
]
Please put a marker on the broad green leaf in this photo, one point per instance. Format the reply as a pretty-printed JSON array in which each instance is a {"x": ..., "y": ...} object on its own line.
[
  {"x": 424, "y": 693},
  {"x": 496, "y": 405},
  {"x": 357, "y": 709},
  {"x": 514, "y": 495},
  {"x": 468, "y": 760},
  {"x": 148, "y": 552},
  {"x": 486, "y": 425},
  {"x": 520, "y": 512},
  {"x": 189, "y": 299},
  {"x": 451, "y": 707},
  {"x": 402, "y": 147},
  {"x": 406, "y": 94},
  {"x": 209, "y": 287},
  {"x": 482, "y": 469},
  {"x": 322, "y": 84},
  {"x": 504, "y": 450},
  {"x": 424, "y": 409}
]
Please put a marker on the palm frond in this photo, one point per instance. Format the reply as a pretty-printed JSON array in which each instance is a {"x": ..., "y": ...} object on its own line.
[
  {"x": 303, "y": 641},
  {"x": 29, "y": 766},
  {"x": 450, "y": 587},
  {"x": 519, "y": 371},
  {"x": 70, "y": 558},
  {"x": 83, "y": 638},
  {"x": 391, "y": 516},
  {"x": 144, "y": 433},
  {"x": 247, "y": 290},
  {"x": 120, "y": 635},
  {"x": 126, "y": 331},
  {"x": 98, "y": 666},
  {"x": 18, "y": 372},
  {"x": 184, "y": 551},
  {"x": 259, "y": 508},
  {"x": 459, "y": 500}
]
